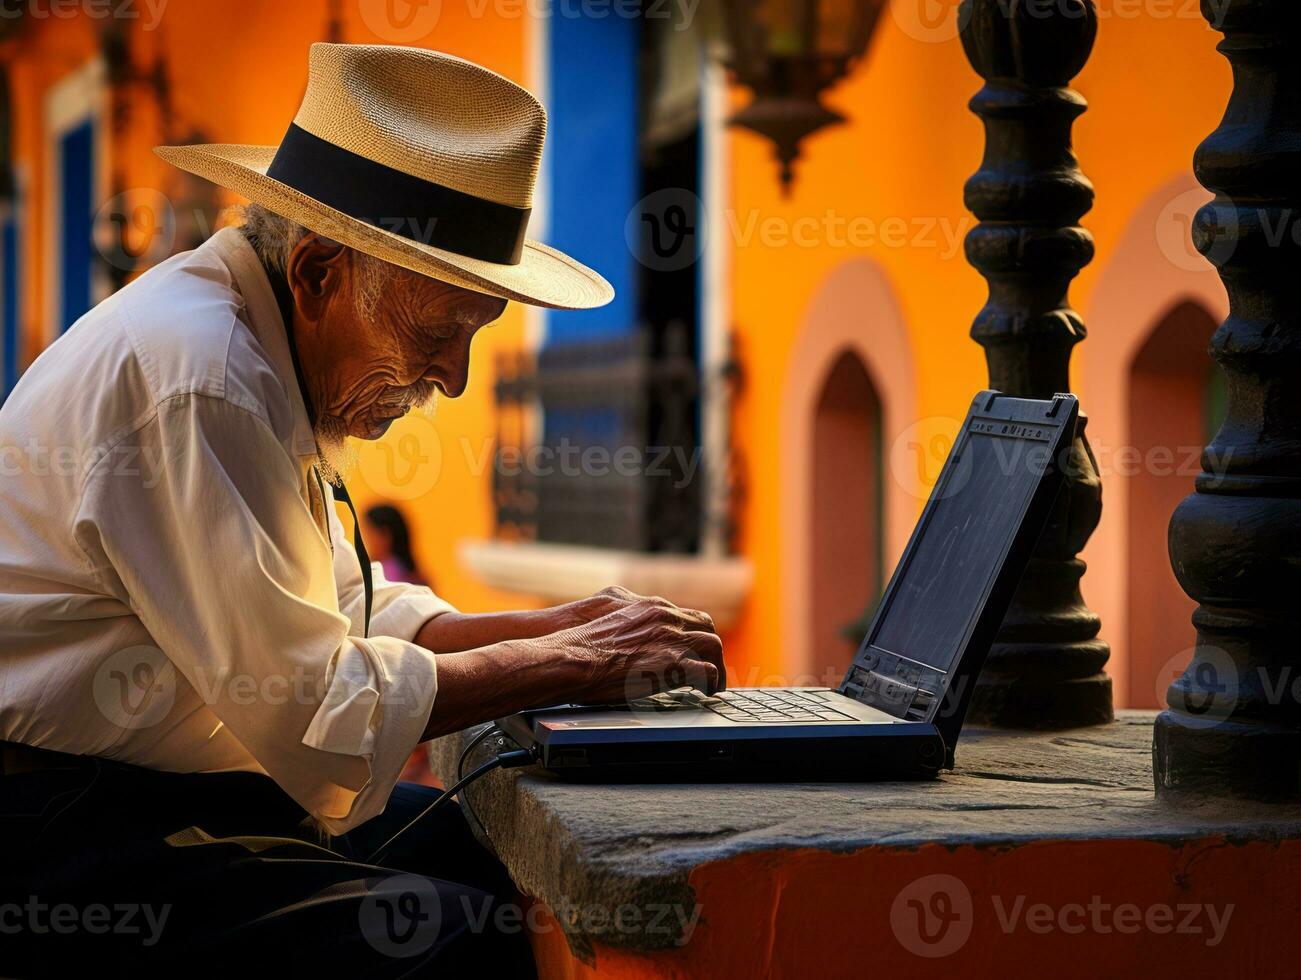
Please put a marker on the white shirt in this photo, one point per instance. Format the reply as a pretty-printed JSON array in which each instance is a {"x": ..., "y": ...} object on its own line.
[{"x": 176, "y": 590}]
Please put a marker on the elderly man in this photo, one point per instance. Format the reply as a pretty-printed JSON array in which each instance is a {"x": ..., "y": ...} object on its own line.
[{"x": 198, "y": 674}]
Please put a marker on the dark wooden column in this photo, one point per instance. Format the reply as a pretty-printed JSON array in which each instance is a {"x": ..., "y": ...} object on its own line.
[
  {"x": 1233, "y": 727},
  {"x": 1046, "y": 670}
]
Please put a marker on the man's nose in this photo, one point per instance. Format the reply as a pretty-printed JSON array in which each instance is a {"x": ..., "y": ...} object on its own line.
[
  {"x": 454, "y": 384},
  {"x": 456, "y": 372}
]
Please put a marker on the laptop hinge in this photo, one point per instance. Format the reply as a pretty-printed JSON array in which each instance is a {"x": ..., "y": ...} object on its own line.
[{"x": 899, "y": 686}]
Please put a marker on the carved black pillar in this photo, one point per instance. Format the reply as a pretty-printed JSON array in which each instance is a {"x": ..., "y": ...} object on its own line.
[
  {"x": 1046, "y": 669},
  {"x": 1233, "y": 727}
]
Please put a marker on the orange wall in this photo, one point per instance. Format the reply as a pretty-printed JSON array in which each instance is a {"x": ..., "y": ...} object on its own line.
[
  {"x": 1155, "y": 88},
  {"x": 1098, "y": 908}
]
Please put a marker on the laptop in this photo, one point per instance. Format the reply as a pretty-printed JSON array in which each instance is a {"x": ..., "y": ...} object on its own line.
[{"x": 899, "y": 710}]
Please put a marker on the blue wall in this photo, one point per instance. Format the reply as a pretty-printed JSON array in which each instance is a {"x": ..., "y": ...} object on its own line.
[
  {"x": 9, "y": 303},
  {"x": 77, "y": 150},
  {"x": 592, "y": 160}
]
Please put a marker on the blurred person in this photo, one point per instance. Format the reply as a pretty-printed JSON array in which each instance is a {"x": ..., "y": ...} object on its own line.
[
  {"x": 388, "y": 540},
  {"x": 388, "y": 543},
  {"x": 207, "y": 693}
]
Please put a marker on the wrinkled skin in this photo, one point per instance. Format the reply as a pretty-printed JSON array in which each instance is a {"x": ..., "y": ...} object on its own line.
[
  {"x": 643, "y": 646},
  {"x": 364, "y": 373}
]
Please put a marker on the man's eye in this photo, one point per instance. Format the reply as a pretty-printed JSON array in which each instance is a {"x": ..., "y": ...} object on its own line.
[{"x": 444, "y": 331}]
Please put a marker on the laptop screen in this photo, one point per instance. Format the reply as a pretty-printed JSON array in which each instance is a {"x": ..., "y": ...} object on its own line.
[
  {"x": 958, "y": 553},
  {"x": 966, "y": 536}
]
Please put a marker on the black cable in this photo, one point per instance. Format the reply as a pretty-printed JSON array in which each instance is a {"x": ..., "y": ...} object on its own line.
[
  {"x": 465, "y": 754},
  {"x": 473, "y": 743},
  {"x": 510, "y": 760},
  {"x": 375, "y": 856}
]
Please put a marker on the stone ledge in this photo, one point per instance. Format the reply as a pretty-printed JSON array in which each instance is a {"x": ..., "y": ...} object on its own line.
[
  {"x": 574, "y": 845},
  {"x": 562, "y": 573}
]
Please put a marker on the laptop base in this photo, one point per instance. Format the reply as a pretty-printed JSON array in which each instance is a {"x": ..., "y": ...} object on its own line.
[{"x": 646, "y": 752}]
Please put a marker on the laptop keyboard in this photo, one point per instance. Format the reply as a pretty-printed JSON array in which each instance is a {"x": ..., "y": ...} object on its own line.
[{"x": 775, "y": 705}]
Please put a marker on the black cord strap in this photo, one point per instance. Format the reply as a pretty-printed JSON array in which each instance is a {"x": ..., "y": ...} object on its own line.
[
  {"x": 341, "y": 493},
  {"x": 285, "y": 300}
]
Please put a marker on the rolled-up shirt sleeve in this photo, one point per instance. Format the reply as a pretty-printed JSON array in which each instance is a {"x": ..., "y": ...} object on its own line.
[{"x": 224, "y": 564}]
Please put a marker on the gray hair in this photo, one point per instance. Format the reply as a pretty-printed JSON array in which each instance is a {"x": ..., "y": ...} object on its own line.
[{"x": 274, "y": 237}]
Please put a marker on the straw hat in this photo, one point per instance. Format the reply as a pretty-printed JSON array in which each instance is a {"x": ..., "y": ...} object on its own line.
[{"x": 417, "y": 158}]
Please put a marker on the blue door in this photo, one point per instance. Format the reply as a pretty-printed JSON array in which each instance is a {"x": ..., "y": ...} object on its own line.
[
  {"x": 9, "y": 288},
  {"x": 592, "y": 149},
  {"x": 76, "y": 248}
]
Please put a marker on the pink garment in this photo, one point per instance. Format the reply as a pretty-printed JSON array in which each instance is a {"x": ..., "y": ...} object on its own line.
[{"x": 395, "y": 571}]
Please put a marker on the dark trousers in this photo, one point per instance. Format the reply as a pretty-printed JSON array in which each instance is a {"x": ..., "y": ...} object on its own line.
[{"x": 113, "y": 869}]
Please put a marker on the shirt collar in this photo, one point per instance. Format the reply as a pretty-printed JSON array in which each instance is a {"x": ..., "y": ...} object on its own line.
[{"x": 267, "y": 324}]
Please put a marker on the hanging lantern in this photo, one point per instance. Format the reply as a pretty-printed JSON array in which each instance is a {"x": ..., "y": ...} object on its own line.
[{"x": 788, "y": 52}]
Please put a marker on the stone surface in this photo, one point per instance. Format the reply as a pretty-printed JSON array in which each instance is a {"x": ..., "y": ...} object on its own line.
[{"x": 577, "y": 845}]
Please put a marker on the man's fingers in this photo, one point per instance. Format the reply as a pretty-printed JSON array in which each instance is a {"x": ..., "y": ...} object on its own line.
[
  {"x": 709, "y": 648},
  {"x": 706, "y": 645},
  {"x": 679, "y": 618},
  {"x": 712, "y": 683}
]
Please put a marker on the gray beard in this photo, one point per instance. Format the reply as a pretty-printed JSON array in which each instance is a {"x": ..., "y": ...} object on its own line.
[
  {"x": 336, "y": 456},
  {"x": 336, "y": 451}
]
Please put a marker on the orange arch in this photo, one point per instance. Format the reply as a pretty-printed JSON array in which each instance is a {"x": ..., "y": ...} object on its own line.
[{"x": 854, "y": 310}]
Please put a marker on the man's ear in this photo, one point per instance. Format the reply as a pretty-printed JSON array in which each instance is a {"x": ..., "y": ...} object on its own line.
[{"x": 316, "y": 268}]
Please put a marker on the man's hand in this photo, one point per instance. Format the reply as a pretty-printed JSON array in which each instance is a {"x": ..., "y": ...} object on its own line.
[
  {"x": 608, "y": 600},
  {"x": 648, "y": 645},
  {"x": 639, "y": 646},
  {"x": 452, "y": 632}
]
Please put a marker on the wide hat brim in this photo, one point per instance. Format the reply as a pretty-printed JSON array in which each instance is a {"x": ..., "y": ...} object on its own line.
[{"x": 543, "y": 277}]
